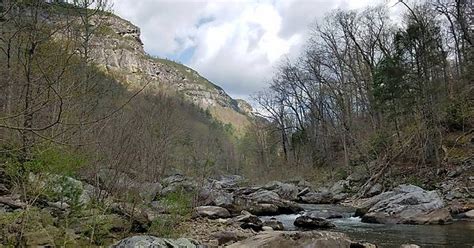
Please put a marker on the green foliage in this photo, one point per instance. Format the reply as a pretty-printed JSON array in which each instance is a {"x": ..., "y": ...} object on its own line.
[
  {"x": 179, "y": 202},
  {"x": 179, "y": 205},
  {"x": 165, "y": 226},
  {"x": 458, "y": 113}
]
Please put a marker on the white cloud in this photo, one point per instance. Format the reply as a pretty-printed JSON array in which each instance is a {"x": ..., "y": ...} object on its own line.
[{"x": 234, "y": 43}]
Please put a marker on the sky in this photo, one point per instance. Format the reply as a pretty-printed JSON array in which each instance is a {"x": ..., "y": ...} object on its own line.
[{"x": 236, "y": 44}]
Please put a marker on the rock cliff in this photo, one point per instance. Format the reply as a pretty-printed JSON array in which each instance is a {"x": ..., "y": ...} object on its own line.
[{"x": 118, "y": 50}]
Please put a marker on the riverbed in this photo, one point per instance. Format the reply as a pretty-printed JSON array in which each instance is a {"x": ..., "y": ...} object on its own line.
[{"x": 459, "y": 234}]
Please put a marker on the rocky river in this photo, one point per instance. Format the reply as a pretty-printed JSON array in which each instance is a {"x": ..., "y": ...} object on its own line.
[{"x": 458, "y": 234}]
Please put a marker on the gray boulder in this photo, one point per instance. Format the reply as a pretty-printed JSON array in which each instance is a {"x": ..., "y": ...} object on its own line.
[
  {"x": 211, "y": 212},
  {"x": 310, "y": 222},
  {"x": 286, "y": 191},
  {"x": 274, "y": 224},
  {"x": 150, "y": 241},
  {"x": 406, "y": 204}
]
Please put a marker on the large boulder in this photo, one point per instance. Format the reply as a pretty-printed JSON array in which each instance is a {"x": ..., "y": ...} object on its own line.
[
  {"x": 150, "y": 241},
  {"x": 296, "y": 240},
  {"x": 310, "y": 222},
  {"x": 213, "y": 193},
  {"x": 211, "y": 212},
  {"x": 262, "y": 202},
  {"x": 286, "y": 191},
  {"x": 406, "y": 204}
]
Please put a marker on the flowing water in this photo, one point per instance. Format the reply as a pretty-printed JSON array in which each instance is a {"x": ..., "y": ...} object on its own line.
[{"x": 459, "y": 234}]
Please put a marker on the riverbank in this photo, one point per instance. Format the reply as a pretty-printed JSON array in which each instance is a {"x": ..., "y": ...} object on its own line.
[{"x": 227, "y": 210}]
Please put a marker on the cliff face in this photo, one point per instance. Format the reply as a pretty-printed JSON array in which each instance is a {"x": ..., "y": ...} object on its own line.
[{"x": 118, "y": 50}]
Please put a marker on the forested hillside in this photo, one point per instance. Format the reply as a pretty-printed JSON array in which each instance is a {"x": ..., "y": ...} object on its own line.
[{"x": 376, "y": 92}]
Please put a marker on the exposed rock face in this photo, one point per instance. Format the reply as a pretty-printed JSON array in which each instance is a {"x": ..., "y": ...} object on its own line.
[
  {"x": 295, "y": 239},
  {"x": 310, "y": 222},
  {"x": 119, "y": 51},
  {"x": 406, "y": 204},
  {"x": 211, "y": 212},
  {"x": 150, "y": 241}
]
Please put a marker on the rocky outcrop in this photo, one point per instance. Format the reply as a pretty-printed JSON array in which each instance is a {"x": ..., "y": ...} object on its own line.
[
  {"x": 118, "y": 50},
  {"x": 297, "y": 239},
  {"x": 150, "y": 241},
  {"x": 405, "y": 204}
]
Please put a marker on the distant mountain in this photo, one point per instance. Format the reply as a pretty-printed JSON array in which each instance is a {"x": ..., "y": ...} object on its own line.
[{"x": 118, "y": 50}]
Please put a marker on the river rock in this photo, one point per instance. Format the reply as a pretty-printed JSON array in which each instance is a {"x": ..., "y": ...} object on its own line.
[
  {"x": 295, "y": 239},
  {"x": 211, "y": 212},
  {"x": 151, "y": 241},
  {"x": 329, "y": 214},
  {"x": 469, "y": 214},
  {"x": 317, "y": 198},
  {"x": 248, "y": 221},
  {"x": 407, "y": 204},
  {"x": 286, "y": 191},
  {"x": 274, "y": 224},
  {"x": 310, "y": 222}
]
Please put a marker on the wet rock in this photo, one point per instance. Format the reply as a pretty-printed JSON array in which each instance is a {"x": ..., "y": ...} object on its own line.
[
  {"x": 310, "y": 222},
  {"x": 295, "y": 239},
  {"x": 274, "y": 224},
  {"x": 211, "y": 212},
  {"x": 150, "y": 241},
  {"x": 267, "y": 229}
]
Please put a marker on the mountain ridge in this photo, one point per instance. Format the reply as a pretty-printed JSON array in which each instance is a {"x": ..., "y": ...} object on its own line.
[{"x": 118, "y": 50}]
